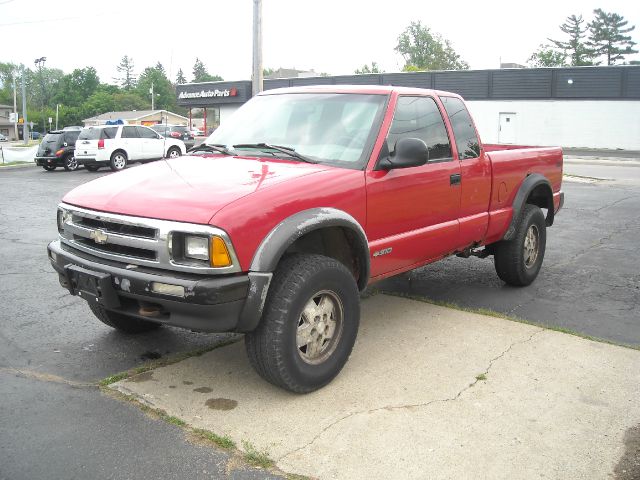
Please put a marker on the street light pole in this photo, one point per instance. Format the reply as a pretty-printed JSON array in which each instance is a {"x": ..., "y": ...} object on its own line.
[
  {"x": 25, "y": 124},
  {"x": 257, "y": 83},
  {"x": 39, "y": 63},
  {"x": 15, "y": 107},
  {"x": 57, "y": 106},
  {"x": 153, "y": 103}
]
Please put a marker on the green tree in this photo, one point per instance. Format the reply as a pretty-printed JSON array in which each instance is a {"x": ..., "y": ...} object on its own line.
[
  {"x": 373, "y": 68},
  {"x": 162, "y": 88},
  {"x": 423, "y": 50},
  {"x": 547, "y": 56},
  {"x": 180, "y": 77},
  {"x": 76, "y": 87},
  {"x": 127, "y": 78},
  {"x": 200, "y": 73},
  {"x": 575, "y": 46},
  {"x": 607, "y": 36}
]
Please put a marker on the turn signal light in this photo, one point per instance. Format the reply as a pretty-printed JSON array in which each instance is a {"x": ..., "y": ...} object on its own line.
[{"x": 219, "y": 253}]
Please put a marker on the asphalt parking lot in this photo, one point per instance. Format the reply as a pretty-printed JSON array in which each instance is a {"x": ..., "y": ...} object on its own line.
[
  {"x": 590, "y": 278},
  {"x": 57, "y": 424}
]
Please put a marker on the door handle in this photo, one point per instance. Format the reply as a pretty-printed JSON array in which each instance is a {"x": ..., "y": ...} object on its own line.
[{"x": 455, "y": 179}]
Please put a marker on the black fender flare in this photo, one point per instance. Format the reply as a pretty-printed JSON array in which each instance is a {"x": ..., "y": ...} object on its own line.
[
  {"x": 530, "y": 183},
  {"x": 282, "y": 236}
]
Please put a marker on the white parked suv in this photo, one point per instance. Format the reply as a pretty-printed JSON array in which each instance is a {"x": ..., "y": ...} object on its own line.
[{"x": 117, "y": 145}]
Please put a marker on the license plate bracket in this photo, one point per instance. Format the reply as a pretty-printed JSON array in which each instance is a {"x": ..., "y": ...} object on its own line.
[{"x": 92, "y": 286}]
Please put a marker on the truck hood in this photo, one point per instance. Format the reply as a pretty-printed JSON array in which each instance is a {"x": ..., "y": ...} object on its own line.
[{"x": 186, "y": 189}]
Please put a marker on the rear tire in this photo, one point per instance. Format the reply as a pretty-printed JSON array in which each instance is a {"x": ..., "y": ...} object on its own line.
[
  {"x": 70, "y": 163},
  {"x": 173, "y": 152},
  {"x": 309, "y": 324},
  {"x": 118, "y": 161},
  {"x": 92, "y": 168},
  {"x": 121, "y": 322},
  {"x": 518, "y": 260}
]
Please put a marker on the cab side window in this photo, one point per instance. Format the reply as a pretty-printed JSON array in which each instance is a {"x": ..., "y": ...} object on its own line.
[
  {"x": 419, "y": 117},
  {"x": 462, "y": 125}
]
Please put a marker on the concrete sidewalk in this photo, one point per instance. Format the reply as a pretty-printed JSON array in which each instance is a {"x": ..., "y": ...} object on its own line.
[{"x": 428, "y": 392}]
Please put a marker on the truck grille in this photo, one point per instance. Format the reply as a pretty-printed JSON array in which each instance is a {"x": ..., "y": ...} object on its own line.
[
  {"x": 134, "y": 240},
  {"x": 122, "y": 250},
  {"x": 114, "y": 227}
]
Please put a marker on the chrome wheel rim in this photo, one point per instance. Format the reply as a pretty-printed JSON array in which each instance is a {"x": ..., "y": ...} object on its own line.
[
  {"x": 173, "y": 154},
  {"x": 119, "y": 161},
  {"x": 72, "y": 163},
  {"x": 531, "y": 243},
  {"x": 319, "y": 327}
]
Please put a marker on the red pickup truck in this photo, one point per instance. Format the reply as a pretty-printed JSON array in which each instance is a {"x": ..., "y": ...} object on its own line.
[{"x": 301, "y": 199}]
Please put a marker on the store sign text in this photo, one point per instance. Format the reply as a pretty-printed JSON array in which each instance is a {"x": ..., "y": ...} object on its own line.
[{"x": 229, "y": 92}]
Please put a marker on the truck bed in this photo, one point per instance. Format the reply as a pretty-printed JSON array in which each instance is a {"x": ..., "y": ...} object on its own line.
[{"x": 508, "y": 163}]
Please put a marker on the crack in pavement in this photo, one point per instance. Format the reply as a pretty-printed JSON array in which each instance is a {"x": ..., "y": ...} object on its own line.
[
  {"x": 45, "y": 377},
  {"x": 615, "y": 203},
  {"x": 415, "y": 405},
  {"x": 599, "y": 243}
]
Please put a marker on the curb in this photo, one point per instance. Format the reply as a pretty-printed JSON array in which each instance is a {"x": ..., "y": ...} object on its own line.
[{"x": 13, "y": 167}]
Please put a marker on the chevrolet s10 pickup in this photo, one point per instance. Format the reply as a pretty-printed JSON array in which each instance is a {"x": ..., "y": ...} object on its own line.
[{"x": 300, "y": 200}]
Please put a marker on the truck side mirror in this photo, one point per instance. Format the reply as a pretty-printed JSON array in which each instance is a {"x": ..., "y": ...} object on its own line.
[{"x": 408, "y": 152}]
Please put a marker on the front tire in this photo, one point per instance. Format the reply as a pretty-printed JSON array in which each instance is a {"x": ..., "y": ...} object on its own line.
[
  {"x": 70, "y": 163},
  {"x": 118, "y": 161},
  {"x": 518, "y": 260},
  {"x": 173, "y": 152},
  {"x": 309, "y": 324},
  {"x": 121, "y": 322}
]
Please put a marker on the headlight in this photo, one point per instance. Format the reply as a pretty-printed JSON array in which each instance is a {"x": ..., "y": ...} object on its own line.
[
  {"x": 199, "y": 249},
  {"x": 196, "y": 247}
]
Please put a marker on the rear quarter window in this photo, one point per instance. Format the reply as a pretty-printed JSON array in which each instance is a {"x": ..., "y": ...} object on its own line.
[
  {"x": 71, "y": 137},
  {"x": 463, "y": 129}
]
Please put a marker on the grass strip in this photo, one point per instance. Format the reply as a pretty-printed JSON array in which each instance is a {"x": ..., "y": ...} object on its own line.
[
  {"x": 162, "y": 362},
  {"x": 504, "y": 316}
]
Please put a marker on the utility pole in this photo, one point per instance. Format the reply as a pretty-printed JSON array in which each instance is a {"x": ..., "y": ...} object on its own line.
[
  {"x": 153, "y": 103},
  {"x": 15, "y": 107},
  {"x": 40, "y": 63},
  {"x": 257, "y": 83},
  {"x": 57, "y": 106},
  {"x": 25, "y": 125}
]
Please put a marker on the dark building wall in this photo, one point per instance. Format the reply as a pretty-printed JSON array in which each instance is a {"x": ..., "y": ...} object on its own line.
[{"x": 584, "y": 83}]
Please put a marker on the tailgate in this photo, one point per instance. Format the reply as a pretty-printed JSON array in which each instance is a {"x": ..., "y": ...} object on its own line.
[{"x": 87, "y": 148}]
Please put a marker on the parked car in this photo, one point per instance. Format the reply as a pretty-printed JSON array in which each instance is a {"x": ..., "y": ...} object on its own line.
[
  {"x": 196, "y": 132},
  {"x": 57, "y": 150},
  {"x": 176, "y": 131},
  {"x": 118, "y": 145},
  {"x": 314, "y": 193},
  {"x": 35, "y": 135},
  {"x": 3, "y": 138}
]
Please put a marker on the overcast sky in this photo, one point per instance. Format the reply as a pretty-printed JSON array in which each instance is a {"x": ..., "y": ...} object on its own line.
[{"x": 332, "y": 36}]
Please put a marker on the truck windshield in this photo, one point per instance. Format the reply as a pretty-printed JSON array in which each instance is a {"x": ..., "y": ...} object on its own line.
[{"x": 336, "y": 128}]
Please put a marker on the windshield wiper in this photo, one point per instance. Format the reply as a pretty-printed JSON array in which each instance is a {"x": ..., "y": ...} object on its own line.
[
  {"x": 279, "y": 148},
  {"x": 211, "y": 147}
]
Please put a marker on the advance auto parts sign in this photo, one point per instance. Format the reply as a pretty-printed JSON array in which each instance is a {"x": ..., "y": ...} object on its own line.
[{"x": 227, "y": 92}]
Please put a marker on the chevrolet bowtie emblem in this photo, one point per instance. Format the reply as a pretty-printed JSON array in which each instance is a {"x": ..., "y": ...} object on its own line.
[{"x": 99, "y": 236}]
